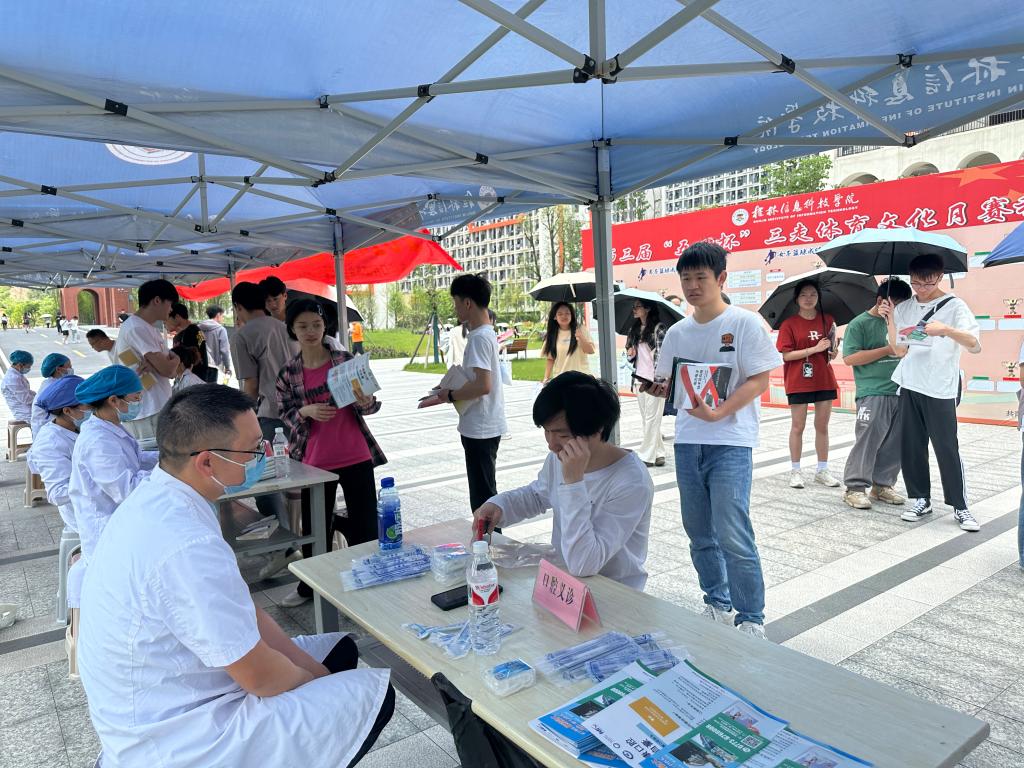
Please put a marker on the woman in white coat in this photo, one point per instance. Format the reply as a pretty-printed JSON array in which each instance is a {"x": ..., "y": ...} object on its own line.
[
  {"x": 55, "y": 367},
  {"x": 107, "y": 463},
  {"x": 15, "y": 387}
]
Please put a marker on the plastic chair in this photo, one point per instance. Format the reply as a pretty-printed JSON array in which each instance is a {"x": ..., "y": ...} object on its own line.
[
  {"x": 69, "y": 545},
  {"x": 13, "y": 449},
  {"x": 34, "y": 488}
]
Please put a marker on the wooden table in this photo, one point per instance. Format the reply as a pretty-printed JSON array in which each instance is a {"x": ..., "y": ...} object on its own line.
[
  {"x": 866, "y": 718},
  {"x": 299, "y": 476}
]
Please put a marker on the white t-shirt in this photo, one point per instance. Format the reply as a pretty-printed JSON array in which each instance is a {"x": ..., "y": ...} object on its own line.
[
  {"x": 934, "y": 370},
  {"x": 737, "y": 338},
  {"x": 138, "y": 335},
  {"x": 484, "y": 417}
]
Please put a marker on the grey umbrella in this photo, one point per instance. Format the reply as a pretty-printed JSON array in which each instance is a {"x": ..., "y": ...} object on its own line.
[{"x": 842, "y": 293}]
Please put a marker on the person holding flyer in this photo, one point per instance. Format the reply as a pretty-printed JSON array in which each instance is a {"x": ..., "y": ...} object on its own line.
[
  {"x": 807, "y": 343},
  {"x": 326, "y": 437},
  {"x": 714, "y": 445},
  {"x": 929, "y": 332}
]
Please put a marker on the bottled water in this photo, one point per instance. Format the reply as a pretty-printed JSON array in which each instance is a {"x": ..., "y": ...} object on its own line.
[
  {"x": 282, "y": 467},
  {"x": 389, "y": 515},
  {"x": 482, "y": 580}
]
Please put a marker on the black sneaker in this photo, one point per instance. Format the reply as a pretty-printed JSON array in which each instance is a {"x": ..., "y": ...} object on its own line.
[
  {"x": 919, "y": 510},
  {"x": 966, "y": 520}
]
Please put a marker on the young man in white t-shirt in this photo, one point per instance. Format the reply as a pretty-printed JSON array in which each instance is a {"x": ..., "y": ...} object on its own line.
[
  {"x": 714, "y": 447},
  {"x": 482, "y": 422},
  {"x": 929, "y": 331},
  {"x": 139, "y": 334},
  {"x": 601, "y": 494}
]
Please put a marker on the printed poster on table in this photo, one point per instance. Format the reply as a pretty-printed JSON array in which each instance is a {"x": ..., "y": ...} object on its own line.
[{"x": 351, "y": 380}]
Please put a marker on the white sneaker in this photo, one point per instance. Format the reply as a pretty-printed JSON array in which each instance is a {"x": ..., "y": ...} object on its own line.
[
  {"x": 293, "y": 599},
  {"x": 824, "y": 477},
  {"x": 278, "y": 563},
  {"x": 719, "y": 615},
  {"x": 752, "y": 629},
  {"x": 796, "y": 480},
  {"x": 966, "y": 520},
  {"x": 919, "y": 510}
]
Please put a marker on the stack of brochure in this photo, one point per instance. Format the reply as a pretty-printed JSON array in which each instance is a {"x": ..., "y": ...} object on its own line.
[{"x": 677, "y": 719}]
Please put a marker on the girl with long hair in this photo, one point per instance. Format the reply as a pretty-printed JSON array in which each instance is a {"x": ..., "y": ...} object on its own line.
[
  {"x": 566, "y": 343},
  {"x": 643, "y": 347}
]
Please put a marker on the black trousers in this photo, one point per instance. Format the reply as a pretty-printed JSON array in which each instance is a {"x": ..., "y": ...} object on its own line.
[
  {"x": 357, "y": 483},
  {"x": 926, "y": 418},
  {"x": 344, "y": 657},
  {"x": 481, "y": 459}
]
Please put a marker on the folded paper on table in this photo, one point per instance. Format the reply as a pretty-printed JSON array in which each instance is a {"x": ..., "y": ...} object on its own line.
[
  {"x": 351, "y": 380},
  {"x": 565, "y": 596},
  {"x": 693, "y": 381}
]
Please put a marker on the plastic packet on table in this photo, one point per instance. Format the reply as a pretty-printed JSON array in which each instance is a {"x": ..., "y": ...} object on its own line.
[
  {"x": 514, "y": 554},
  {"x": 423, "y": 632},
  {"x": 570, "y": 664},
  {"x": 386, "y": 567},
  {"x": 448, "y": 563},
  {"x": 509, "y": 676},
  {"x": 656, "y": 661},
  {"x": 459, "y": 644}
]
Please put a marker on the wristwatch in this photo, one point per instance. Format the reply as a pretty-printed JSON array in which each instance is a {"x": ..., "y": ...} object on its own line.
[{"x": 451, "y": 396}]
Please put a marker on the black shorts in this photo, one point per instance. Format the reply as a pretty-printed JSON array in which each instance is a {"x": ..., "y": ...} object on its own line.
[{"x": 804, "y": 398}]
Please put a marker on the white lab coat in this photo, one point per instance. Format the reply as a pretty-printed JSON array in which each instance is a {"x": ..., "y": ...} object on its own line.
[
  {"x": 164, "y": 611},
  {"x": 50, "y": 458},
  {"x": 106, "y": 466},
  {"x": 39, "y": 416},
  {"x": 18, "y": 394}
]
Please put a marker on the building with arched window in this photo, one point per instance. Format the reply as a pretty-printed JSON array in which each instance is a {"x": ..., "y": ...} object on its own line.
[{"x": 95, "y": 306}]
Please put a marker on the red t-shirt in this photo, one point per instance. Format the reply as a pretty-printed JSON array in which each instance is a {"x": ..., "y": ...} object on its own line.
[
  {"x": 797, "y": 333},
  {"x": 336, "y": 443}
]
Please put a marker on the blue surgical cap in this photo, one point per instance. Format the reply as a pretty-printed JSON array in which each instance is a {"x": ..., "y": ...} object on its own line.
[
  {"x": 60, "y": 394},
  {"x": 112, "y": 380},
  {"x": 21, "y": 357},
  {"x": 52, "y": 362}
]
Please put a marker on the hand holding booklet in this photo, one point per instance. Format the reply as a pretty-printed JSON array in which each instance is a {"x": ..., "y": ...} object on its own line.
[
  {"x": 693, "y": 381},
  {"x": 351, "y": 380},
  {"x": 456, "y": 378}
]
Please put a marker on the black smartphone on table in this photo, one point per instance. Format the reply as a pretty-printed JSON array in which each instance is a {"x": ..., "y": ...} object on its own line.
[{"x": 455, "y": 597}]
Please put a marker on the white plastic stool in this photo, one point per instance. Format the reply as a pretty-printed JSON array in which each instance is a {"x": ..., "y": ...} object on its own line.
[
  {"x": 69, "y": 541},
  {"x": 14, "y": 450},
  {"x": 34, "y": 488}
]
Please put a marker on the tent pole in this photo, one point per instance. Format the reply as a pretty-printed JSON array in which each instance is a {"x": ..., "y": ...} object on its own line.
[
  {"x": 601, "y": 221},
  {"x": 339, "y": 288}
]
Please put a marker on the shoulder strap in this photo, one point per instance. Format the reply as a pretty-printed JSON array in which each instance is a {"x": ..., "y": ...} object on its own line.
[{"x": 936, "y": 308}]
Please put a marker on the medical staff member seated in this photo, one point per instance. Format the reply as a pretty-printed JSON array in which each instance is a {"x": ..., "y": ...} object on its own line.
[
  {"x": 181, "y": 669},
  {"x": 107, "y": 463},
  {"x": 55, "y": 367},
  {"x": 15, "y": 387},
  {"x": 601, "y": 494}
]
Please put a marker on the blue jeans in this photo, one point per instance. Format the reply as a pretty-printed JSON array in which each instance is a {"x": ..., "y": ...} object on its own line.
[{"x": 714, "y": 494}]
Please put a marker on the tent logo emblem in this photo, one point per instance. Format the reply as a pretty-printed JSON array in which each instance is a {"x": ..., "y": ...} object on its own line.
[
  {"x": 147, "y": 155},
  {"x": 740, "y": 217}
]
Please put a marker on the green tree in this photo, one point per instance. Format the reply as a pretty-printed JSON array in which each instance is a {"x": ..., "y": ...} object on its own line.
[
  {"x": 796, "y": 176},
  {"x": 531, "y": 258},
  {"x": 395, "y": 303},
  {"x": 366, "y": 303},
  {"x": 633, "y": 206}
]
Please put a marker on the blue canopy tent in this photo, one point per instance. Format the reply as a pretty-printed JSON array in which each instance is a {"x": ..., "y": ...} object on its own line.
[
  {"x": 1010, "y": 249},
  {"x": 466, "y": 108}
]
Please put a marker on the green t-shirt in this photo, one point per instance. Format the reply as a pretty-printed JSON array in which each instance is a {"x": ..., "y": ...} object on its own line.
[{"x": 866, "y": 331}]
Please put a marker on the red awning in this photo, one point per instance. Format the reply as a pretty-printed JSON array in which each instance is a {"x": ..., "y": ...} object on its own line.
[{"x": 383, "y": 263}]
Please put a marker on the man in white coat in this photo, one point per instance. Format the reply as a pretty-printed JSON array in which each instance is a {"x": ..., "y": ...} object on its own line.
[{"x": 180, "y": 667}]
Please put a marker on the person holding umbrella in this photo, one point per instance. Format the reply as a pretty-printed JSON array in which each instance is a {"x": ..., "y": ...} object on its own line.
[
  {"x": 929, "y": 332},
  {"x": 643, "y": 347},
  {"x": 807, "y": 343},
  {"x": 566, "y": 343}
]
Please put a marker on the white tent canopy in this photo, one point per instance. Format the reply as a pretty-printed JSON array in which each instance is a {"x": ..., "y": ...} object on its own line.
[{"x": 459, "y": 108}]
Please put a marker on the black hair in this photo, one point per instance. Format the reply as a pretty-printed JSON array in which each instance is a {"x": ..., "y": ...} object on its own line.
[
  {"x": 189, "y": 356},
  {"x": 895, "y": 289},
  {"x": 590, "y": 405},
  {"x": 157, "y": 289},
  {"x": 551, "y": 337},
  {"x": 179, "y": 310},
  {"x": 644, "y": 331},
  {"x": 273, "y": 286},
  {"x": 927, "y": 264},
  {"x": 96, "y": 333},
  {"x": 250, "y": 297},
  {"x": 703, "y": 255},
  {"x": 476, "y": 288},
  {"x": 197, "y": 419},
  {"x": 298, "y": 307},
  {"x": 805, "y": 283},
  {"x": 213, "y": 310}
]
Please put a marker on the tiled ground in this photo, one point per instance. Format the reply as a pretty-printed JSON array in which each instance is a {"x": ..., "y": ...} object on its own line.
[{"x": 925, "y": 608}]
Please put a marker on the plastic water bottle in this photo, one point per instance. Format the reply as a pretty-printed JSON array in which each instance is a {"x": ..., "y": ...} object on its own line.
[
  {"x": 482, "y": 581},
  {"x": 282, "y": 467},
  {"x": 389, "y": 515}
]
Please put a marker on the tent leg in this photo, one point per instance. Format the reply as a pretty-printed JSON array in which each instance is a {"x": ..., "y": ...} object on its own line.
[
  {"x": 601, "y": 221},
  {"x": 339, "y": 287}
]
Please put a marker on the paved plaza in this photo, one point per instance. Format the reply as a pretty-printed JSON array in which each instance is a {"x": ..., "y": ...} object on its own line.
[{"x": 925, "y": 608}]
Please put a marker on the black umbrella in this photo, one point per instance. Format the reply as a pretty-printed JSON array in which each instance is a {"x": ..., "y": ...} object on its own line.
[
  {"x": 890, "y": 251},
  {"x": 843, "y": 294}
]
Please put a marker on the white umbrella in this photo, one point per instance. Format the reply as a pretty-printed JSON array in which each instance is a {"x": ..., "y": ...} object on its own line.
[{"x": 566, "y": 286}]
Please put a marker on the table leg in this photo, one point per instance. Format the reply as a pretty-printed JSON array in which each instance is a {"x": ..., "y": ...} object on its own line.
[{"x": 325, "y": 613}]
